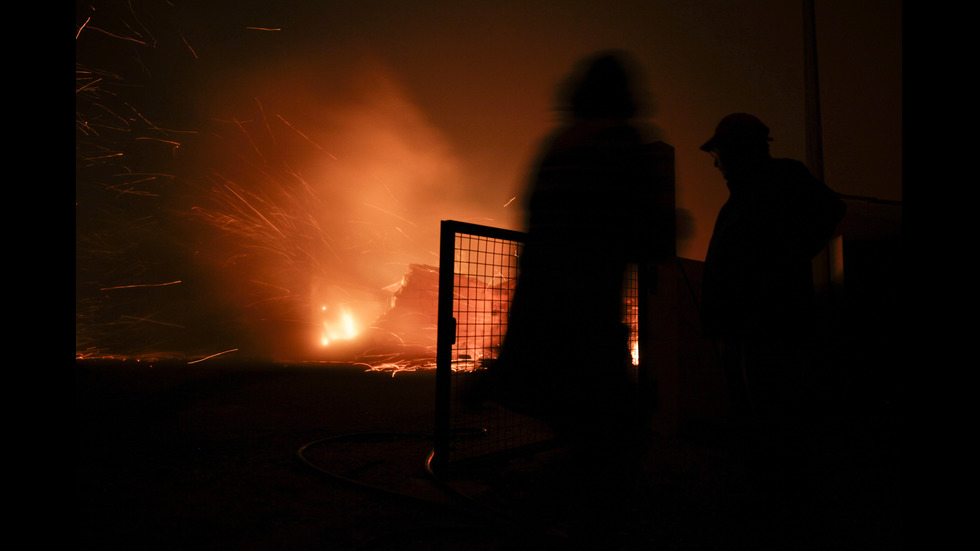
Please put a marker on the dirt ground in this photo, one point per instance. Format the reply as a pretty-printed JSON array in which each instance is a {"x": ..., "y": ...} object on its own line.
[{"x": 176, "y": 456}]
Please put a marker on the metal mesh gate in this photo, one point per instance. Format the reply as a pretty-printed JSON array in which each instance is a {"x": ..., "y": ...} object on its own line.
[{"x": 477, "y": 275}]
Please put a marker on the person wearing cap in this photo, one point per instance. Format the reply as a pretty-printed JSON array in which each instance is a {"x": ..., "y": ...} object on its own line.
[
  {"x": 758, "y": 298},
  {"x": 758, "y": 304}
]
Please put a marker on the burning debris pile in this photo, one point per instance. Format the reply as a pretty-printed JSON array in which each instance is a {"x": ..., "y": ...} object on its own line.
[
  {"x": 413, "y": 316},
  {"x": 481, "y": 319},
  {"x": 404, "y": 337}
]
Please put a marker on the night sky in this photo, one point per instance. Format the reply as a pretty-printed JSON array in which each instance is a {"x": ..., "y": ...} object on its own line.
[{"x": 277, "y": 158}]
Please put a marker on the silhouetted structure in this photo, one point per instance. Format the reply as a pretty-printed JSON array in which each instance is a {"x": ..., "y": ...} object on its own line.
[{"x": 592, "y": 208}]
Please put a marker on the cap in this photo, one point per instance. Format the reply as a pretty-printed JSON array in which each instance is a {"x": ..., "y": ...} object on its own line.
[{"x": 738, "y": 127}]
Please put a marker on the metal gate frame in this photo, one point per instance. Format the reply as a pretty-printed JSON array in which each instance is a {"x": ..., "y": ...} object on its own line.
[{"x": 458, "y": 440}]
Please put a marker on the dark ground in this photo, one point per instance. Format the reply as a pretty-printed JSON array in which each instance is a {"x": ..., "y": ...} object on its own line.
[{"x": 172, "y": 456}]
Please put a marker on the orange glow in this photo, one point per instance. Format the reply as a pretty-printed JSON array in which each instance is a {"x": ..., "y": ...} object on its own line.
[{"x": 339, "y": 325}]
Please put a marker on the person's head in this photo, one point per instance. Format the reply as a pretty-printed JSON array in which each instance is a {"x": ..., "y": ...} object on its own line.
[
  {"x": 740, "y": 143},
  {"x": 601, "y": 86}
]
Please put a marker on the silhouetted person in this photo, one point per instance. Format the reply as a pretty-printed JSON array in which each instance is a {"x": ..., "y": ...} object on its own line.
[
  {"x": 758, "y": 297},
  {"x": 566, "y": 355}
]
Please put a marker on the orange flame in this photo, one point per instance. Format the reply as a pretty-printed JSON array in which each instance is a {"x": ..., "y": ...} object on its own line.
[{"x": 340, "y": 327}]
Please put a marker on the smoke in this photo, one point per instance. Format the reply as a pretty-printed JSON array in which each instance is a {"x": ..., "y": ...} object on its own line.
[
  {"x": 315, "y": 211},
  {"x": 254, "y": 205}
]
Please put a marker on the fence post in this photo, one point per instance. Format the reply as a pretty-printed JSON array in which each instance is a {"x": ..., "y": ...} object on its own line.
[{"x": 445, "y": 338}]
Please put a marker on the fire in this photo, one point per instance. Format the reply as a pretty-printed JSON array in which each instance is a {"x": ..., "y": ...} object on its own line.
[
  {"x": 339, "y": 327},
  {"x": 270, "y": 197}
]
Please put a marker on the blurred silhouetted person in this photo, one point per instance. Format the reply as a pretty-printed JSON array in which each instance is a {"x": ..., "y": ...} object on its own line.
[{"x": 592, "y": 207}]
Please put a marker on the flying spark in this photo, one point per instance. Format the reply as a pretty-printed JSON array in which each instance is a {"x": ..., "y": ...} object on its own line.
[{"x": 140, "y": 285}]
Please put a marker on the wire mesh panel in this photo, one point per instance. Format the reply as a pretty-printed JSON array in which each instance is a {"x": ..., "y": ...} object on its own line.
[
  {"x": 631, "y": 314},
  {"x": 478, "y": 270},
  {"x": 477, "y": 275}
]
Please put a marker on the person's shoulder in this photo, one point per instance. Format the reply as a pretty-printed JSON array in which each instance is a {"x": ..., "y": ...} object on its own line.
[
  {"x": 789, "y": 166},
  {"x": 792, "y": 170}
]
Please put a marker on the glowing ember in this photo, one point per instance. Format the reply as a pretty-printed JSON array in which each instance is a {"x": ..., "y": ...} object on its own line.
[{"x": 338, "y": 328}]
